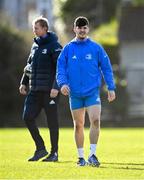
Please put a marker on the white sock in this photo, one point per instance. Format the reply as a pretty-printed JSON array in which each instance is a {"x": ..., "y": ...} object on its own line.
[
  {"x": 92, "y": 149},
  {"x": 81, "y": 152}
]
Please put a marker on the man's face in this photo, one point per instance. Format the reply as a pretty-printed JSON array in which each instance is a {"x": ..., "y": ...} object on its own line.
[
  {"x": 38, "y": 30},
  {"x": 81, "y": 32}
]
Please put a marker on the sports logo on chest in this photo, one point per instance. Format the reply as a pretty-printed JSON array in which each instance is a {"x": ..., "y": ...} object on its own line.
[
  {"x": 88, "y": 56},
  {"x": 74, "y": 57},
  {"x": 44, "y": 51}
]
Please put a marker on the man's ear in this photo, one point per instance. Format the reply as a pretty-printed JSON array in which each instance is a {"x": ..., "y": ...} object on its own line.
[
  {"x": 74, "y": 29},
  {"x": 46, "y": 29}
]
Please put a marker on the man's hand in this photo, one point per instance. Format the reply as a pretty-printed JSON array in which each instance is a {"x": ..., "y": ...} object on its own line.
[
  {"x": 54, "y": 93},
  {"x": 111, "y": 96},
  {"x": 22, "y": 89},
  {"x": 65, "y": 90}
]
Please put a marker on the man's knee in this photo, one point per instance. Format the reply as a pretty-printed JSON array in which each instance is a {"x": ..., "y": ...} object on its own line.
[
  {"x": 79, "y": 126},
  {"x": 27, "y": 117},
  {"x": 95, "y": 122},
  {"x": 53, "y": 126}
]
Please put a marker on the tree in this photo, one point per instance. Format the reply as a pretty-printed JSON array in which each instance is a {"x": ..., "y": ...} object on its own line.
[
  {"x": 97, "y": 11},
  {"x": 13, "y": 53}
]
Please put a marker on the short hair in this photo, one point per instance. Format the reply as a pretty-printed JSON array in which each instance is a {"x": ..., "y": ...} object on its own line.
[
  {"x": 42, "y": 21},
  {"x": 81, "y": 21}
]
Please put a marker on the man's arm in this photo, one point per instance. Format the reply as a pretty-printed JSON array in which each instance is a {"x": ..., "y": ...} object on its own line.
[
  {"x": 61, "y": 71},
  {"x": 65, "y": 90},
  {"x": 23, "y": 84},
  {"x": 55, "y": 53},
  {"x": 54, "y": 59},
  {"x": 111, "y": 96},
  {"x": 106, "y": 69},
  {"x": 25, "y": 79}
]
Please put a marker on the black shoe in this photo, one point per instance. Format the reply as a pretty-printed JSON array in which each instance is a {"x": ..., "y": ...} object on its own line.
[
  {"x": 81, "y": 162},
  {"x": 38, "y": 155},
  {"x": 53, "y": 157}
]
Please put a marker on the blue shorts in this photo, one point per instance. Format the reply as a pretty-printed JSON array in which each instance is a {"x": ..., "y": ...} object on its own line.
[{"x": 81, "y": 102}]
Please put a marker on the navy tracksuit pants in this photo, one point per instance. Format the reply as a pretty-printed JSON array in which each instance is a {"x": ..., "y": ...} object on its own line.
[{"x": 34, "y": 102}]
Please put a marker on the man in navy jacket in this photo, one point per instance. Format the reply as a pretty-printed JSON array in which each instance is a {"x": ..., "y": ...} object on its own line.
[
  {"x": 39, "y": 74},
  {"x": 79, "y": 71}
]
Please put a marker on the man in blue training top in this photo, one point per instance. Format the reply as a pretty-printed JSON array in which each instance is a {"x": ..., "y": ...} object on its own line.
[{"x": 79, "y": 71}]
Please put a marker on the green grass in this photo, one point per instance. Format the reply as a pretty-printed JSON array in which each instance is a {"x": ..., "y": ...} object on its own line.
[{"x": 121, "y": 152}]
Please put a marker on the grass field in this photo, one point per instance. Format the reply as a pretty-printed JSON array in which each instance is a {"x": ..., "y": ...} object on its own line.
[{"x": 121, "y": 152}]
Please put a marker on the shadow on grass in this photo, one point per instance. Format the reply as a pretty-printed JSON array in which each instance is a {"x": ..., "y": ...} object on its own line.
[
  {"x": 133, "y": 164},
  {"x": 65, "y": 161},
  {"x": 59, "y": 162},
  {"x": 123, "y": 164}
]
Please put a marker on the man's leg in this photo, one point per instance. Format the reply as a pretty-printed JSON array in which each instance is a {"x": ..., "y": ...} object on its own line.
[
  {"x": 94, "y": 117},
  {"x": 52, "y": 120},
  {"x": 79, "y": 120},
  {"x": 31, "y": 110},
  {"x": 53, "y": 124}
]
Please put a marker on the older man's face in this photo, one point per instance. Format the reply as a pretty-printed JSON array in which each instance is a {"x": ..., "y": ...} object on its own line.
[{"x": 38, "y": 30}]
